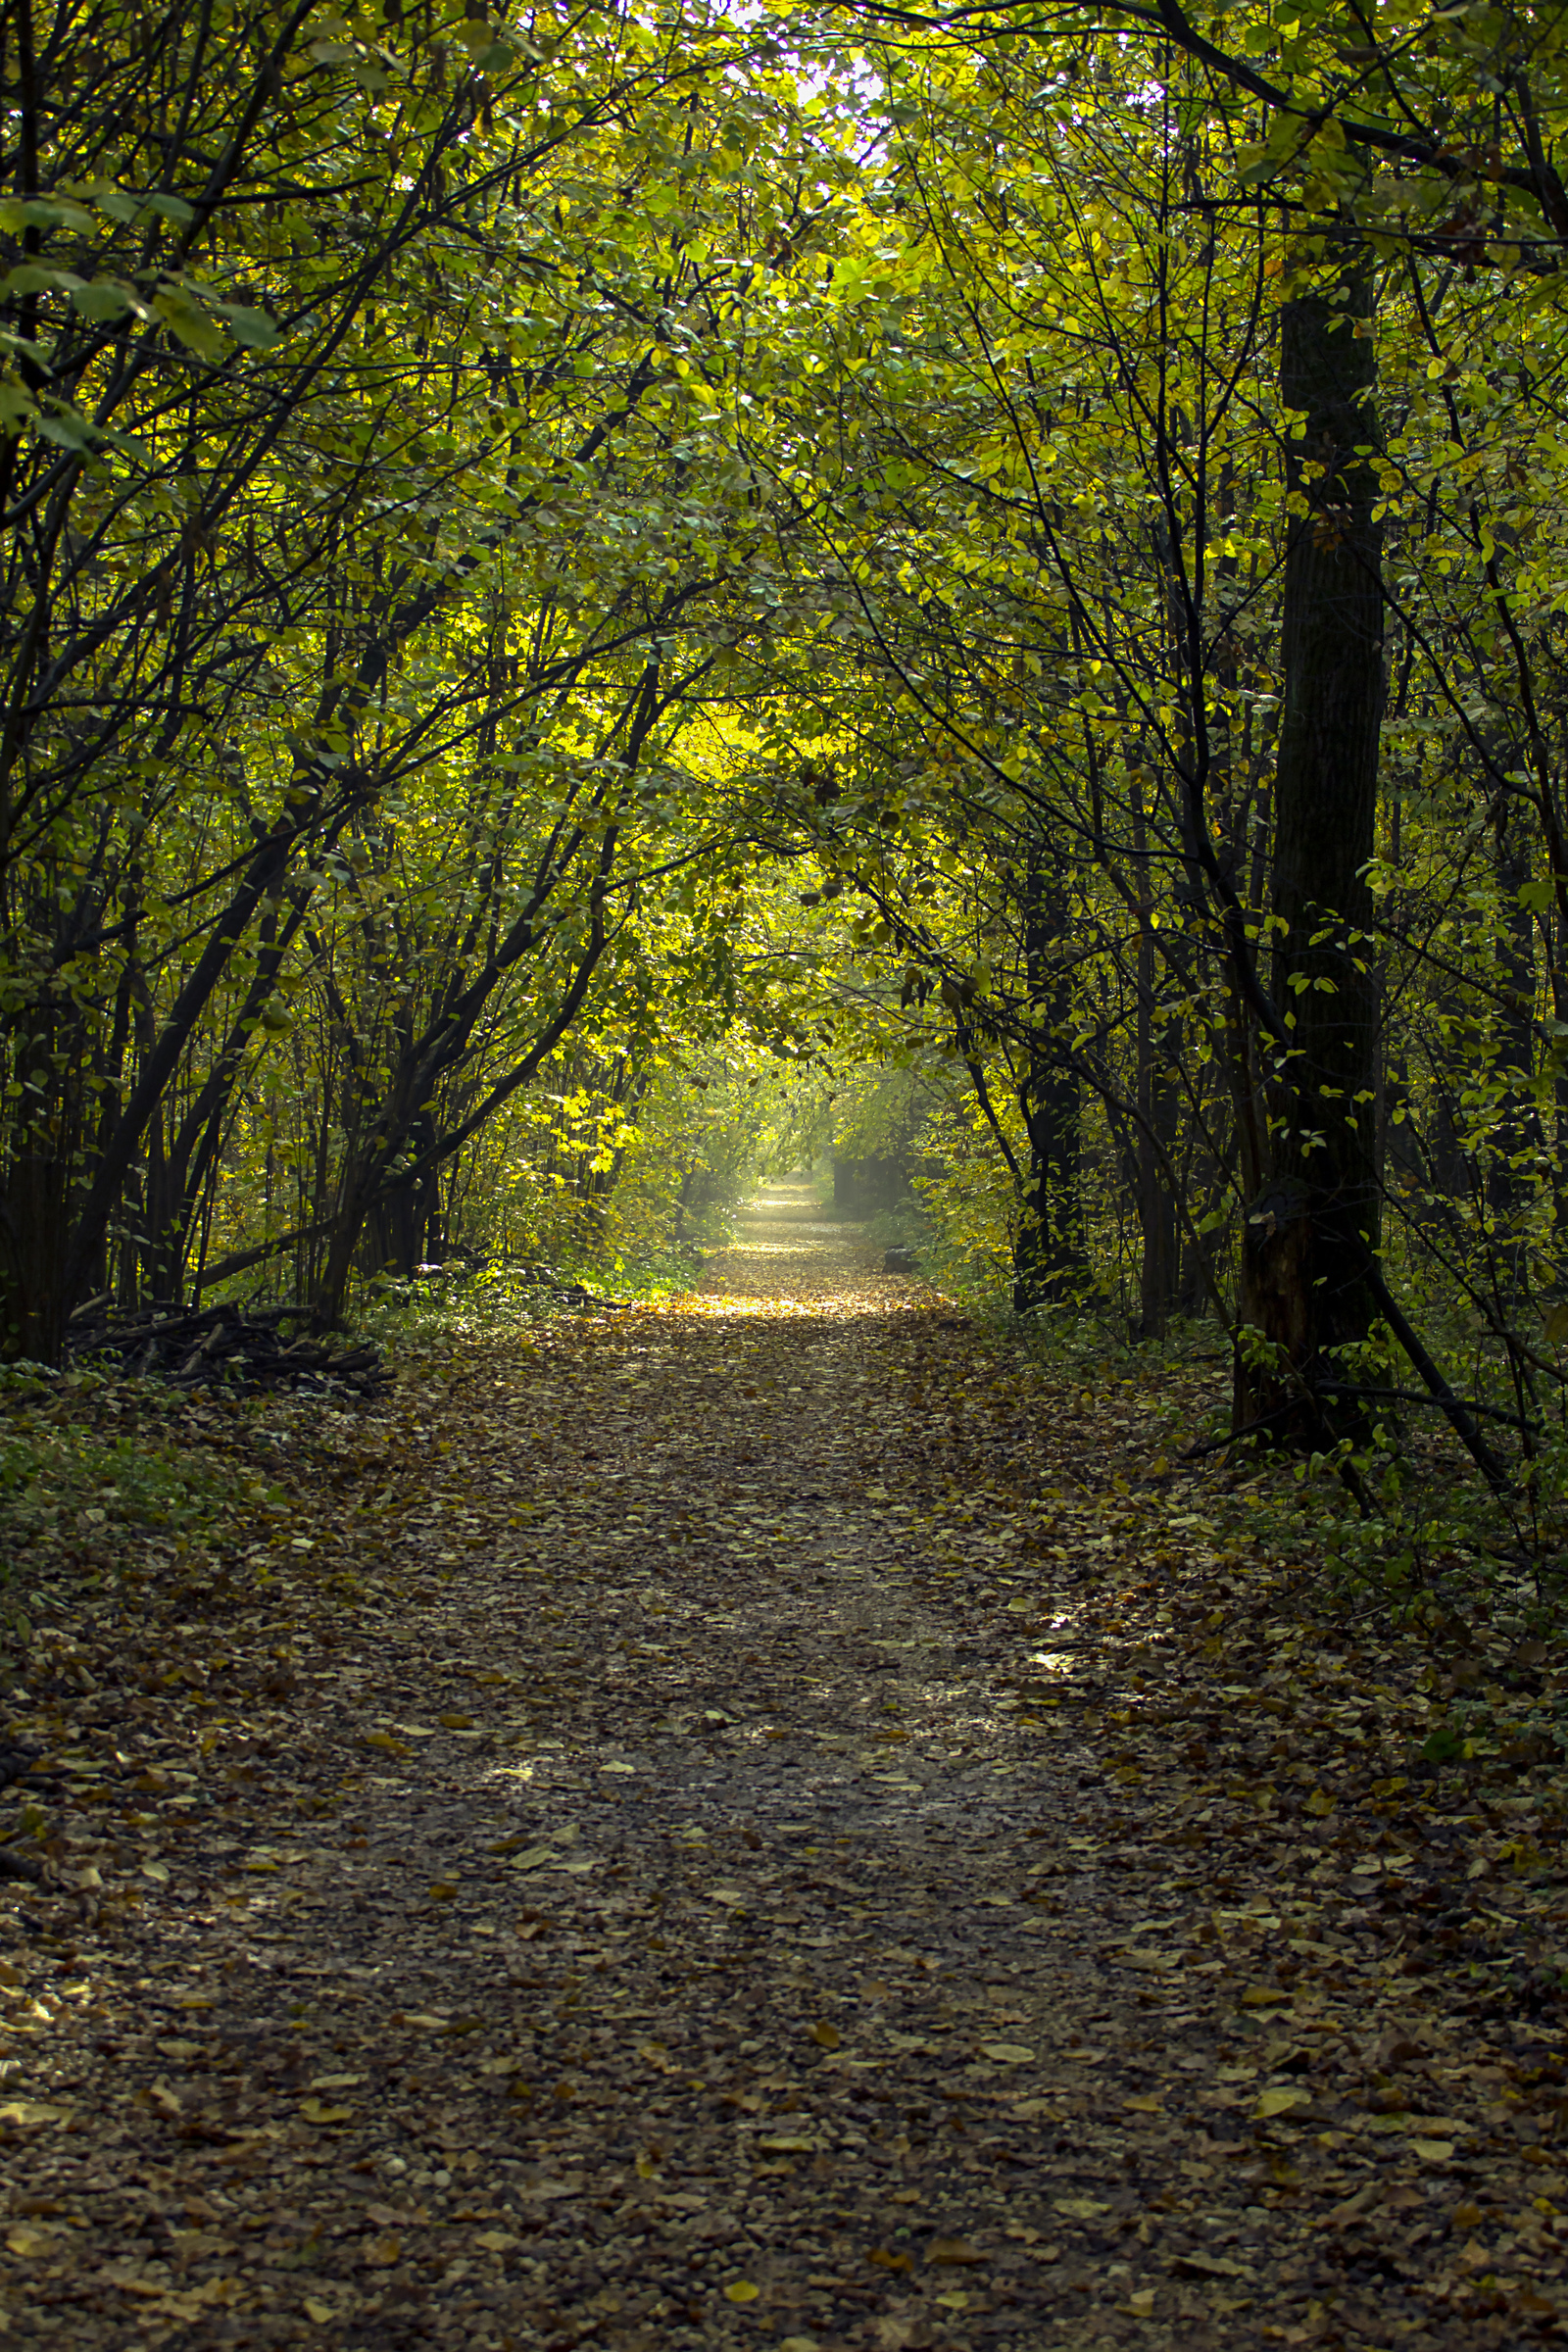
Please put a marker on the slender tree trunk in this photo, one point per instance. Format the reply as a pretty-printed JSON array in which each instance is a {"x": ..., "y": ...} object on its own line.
[
  {"x": 1158, "y": 1119},
  {"x": 1518, "y": 1150},
  {"x": 1051, "y": 1254},
  {"x": 1309, "y": 1227}
]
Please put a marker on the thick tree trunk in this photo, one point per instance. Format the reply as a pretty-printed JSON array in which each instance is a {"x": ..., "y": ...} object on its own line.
[
  {"x": 35, "y": 1234},
  {"x": 1304, "y": 1256}
]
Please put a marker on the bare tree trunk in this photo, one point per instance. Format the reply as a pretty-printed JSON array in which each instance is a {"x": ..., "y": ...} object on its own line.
[
  {"x": 1304, "y": 1259},
  {"x": 1051, "y": 1255}
]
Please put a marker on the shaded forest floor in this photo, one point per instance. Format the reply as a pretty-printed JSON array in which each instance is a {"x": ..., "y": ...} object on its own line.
[{"x": 764, "y": 1820}]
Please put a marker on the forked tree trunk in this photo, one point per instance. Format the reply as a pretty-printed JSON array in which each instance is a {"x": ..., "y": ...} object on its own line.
[{"x": 1304, "y": 1257}]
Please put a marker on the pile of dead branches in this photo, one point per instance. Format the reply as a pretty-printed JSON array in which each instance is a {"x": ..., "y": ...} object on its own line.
[{"x": 224, "y": 1347}]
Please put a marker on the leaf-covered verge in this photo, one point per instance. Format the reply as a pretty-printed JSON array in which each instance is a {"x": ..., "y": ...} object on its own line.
[{"x": 764, "y": 1817}]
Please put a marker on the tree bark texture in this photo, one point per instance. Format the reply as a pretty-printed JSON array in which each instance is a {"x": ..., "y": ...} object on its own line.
[
  {"x": 1308, "y": 1229},
  {"x": 1051, "y": 1255}
]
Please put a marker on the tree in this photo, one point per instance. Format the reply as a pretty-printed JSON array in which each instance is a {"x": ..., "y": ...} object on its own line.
[{"x": 311, "y": 422}]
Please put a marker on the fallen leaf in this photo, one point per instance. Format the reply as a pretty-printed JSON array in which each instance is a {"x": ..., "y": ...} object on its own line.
[
  {"x": 1008, "y": 2053},
  {"x": 1280, "y": 2101},
  {"x": 951, "y": 2252},
  {"x": 1209, "y": 2266},
  {"x": 26, "y": 2242}
]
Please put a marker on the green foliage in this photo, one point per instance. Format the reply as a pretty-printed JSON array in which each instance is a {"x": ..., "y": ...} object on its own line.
[
  {"x": 625, "y": 602},
  {"x": 78, "y": 1500}
]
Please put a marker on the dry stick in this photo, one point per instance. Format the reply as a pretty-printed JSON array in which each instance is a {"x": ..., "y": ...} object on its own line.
[
  {"x": 1459, "y": 1415},
  {"x": 1491, "y": 1412}
]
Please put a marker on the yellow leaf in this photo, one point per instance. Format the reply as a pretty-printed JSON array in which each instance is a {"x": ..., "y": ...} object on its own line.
[
  {"x": 1280, "y": 2102},
  {"x": 381, "y": 2252},
  {"x": 132, "y": 2282},
  {"x": 157, "y": 1872},
  {"x": 315, "y": 2113},
  {"x": 24, "y": 2240},
  {"x": 386, "y": 1744},
  {"x": 533, "y": 1856},
  {"x": 455, "y": 1723},
  {"x": 29, "y": 2111},
  {"x": 1433, "y": 2151},
  {"x": 1141, "y": 2306},
  {"x": 1008, "y": 2053},
  {"x": 828, "y": 2036},
  {"x": 952, "y": 2251},
  {"x": 1148, "y": 2106},
  {"x": 1262, "y": 1996},
  {"x": 1320, "y": 1804},
  {"x": 495, "y": 2241},
  {"x": 318, "y": 2082},
  {"x": 318, "y": 2311},
  {"x": 787, "y": 2144},
  {"x": 741, "y": 2290}
]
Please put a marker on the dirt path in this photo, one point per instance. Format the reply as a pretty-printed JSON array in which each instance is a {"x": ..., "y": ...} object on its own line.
[{"x": 645, "y": 1916}]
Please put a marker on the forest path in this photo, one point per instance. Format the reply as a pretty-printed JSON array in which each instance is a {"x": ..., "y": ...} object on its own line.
[{"x": 694, "y": 1886}]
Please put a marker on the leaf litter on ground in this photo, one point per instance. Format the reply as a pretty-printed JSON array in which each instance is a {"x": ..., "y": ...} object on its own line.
[{"x": 764, "y": 1818}]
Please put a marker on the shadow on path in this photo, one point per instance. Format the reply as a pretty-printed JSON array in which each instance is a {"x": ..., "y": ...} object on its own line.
[{"x": 647, "y": 1923}]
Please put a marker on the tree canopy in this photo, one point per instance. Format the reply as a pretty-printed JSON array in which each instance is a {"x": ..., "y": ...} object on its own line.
[{"x": 592, "y": 598}]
